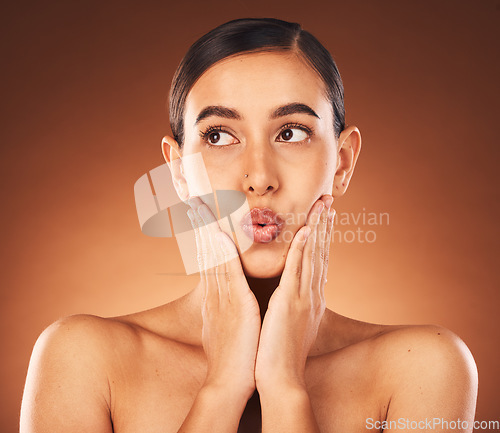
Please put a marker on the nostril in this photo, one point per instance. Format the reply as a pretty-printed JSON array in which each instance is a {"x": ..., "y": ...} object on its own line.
[{"x": 268, "y": 189}]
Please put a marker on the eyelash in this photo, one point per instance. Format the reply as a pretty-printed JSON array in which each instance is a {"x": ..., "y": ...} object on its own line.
[
  {"x": 219, "y": 128},
  {"x": 208, "y": 130}
]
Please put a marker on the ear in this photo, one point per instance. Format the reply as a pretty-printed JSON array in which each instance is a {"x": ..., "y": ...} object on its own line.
[
  {"x": 348, "y": 148},
  {"x": 173, "y": 156}
]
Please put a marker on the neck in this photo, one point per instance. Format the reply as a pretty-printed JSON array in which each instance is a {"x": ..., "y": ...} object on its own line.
[
  {"x": 188, "y": 308},
  {"x": 263, "y": 288}
]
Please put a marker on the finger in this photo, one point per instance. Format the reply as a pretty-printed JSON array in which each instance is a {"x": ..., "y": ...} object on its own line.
[
  {"x": 207, "y": 260},
  {"x": 234, "y": 277},
  {"x": 329, "y": 229},
  {"x": 221, "y": 271},
  {"x": 228, "y": 270},
  {"x": 290, "y": 279},
  {"x": 195, "y": 202},
  {"x": 196, "y": 231},
  {"x": 321, "y": 246},
  {"x": 211, "y": 225},
  {"x": 199, "y": 257},
  {"x": 309, "y": 257}
]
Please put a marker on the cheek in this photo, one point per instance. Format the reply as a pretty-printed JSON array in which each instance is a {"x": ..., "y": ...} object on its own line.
[
  {"x": 225, "y": 177},
  {"x": 196, "y": 174},
  {"x": 327, "y": 168},
  {"x": 219, "y": 166},
  {"x": 314, "y": 175}
]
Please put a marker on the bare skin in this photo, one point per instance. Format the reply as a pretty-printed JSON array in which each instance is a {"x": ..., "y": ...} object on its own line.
[
  {"x": 154, "y": 371},
  {"x": 256, "y": 324},
  {"x": 151, "y": 367}
]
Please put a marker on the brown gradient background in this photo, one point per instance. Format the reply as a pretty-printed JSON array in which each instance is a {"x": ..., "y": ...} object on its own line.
[{"x": 84, "y": 87}]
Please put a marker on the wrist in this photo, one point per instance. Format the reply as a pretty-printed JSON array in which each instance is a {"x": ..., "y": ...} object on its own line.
[
  {"x": 289, "y": 395},
  {"x": 229, "y": 390},
  {"x": 278, "y": 387},
  {"x": 280, "y": 379},
  {"x": 215, "y": 409}
]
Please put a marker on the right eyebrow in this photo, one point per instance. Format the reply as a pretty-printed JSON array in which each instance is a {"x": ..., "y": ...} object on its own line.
[
  {"x": 219, "y": 111},
  {"x": 294, "y": 107}
]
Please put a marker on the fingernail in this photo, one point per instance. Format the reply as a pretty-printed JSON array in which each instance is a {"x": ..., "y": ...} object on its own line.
[
  {"x": 321, "y": 207},
  {"x": 328, "y": 201},
  {"x": 190, "y": 214}
]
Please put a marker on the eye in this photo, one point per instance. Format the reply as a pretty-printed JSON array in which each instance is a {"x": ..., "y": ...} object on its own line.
[
  {"x": 294, "y": 134},
  {"x": 215, "y": 136}
]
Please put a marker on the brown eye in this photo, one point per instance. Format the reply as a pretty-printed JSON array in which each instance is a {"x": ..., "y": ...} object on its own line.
[
  {"x": 217, "y": 137},
  {"x": 293, "y": 135},
  {"x": 287, "y": 134},
  {"x": 213, "y": 137}
]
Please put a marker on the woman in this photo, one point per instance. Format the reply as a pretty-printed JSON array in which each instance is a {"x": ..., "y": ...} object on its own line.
[{"x": 253, "y": 346}]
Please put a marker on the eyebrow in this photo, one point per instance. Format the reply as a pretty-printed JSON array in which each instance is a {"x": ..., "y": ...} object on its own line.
[
  {"x": 230, "y": 113},
  {"x": 294, "y": 107},
  {"x": 218, "y": 111}
]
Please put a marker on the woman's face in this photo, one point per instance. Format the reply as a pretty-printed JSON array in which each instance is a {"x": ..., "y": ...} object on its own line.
[{"x": 275, "y": 124}]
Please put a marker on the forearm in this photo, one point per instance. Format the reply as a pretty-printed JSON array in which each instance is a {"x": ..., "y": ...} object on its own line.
[
  {"x": 287, "y": 410},
  {"x": 214, "y": 410}
]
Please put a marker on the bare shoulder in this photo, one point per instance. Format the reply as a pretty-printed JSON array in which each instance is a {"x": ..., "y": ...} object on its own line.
[
  {"x": 404, "y": 373},
  {"x": 413, "y": 347},
  {"x": 85, "y": 335},
  {"x": 403, "y": 345},
  {"x": 101, "y": 342},
  {"x": 84, "y": 367},
  {"x": 81, "y": 344},
  {"x": 85, "y": 325},
  {"x": 429, "y": 372},
  {"x": 412, "y": 351},
  {"x": 69, "y": 368}
]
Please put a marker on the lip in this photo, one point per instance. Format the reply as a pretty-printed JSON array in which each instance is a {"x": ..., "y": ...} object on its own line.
[{"x": 262, "y": 225}]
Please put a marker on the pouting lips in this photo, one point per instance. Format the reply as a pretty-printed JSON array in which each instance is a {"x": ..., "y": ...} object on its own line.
[{"x": 262, "y": 225}]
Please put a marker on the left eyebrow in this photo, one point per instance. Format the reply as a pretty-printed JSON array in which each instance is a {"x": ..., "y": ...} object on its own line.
[
  {"x": 230, "y": 113},
  {"x": 294, "y": 107}
]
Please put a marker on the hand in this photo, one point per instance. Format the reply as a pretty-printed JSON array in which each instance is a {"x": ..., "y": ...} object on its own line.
[
  {"x": 230, "y": 311},
  {"x": 291, "y": 323}
]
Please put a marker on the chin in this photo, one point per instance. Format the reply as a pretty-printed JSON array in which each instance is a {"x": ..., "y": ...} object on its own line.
[{"x": 262, "y": 263}]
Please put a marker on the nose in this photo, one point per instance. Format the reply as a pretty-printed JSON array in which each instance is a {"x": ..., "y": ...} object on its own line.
[{"x": 261, "y": 169}]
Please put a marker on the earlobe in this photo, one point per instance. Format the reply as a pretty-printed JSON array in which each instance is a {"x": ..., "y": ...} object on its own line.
[
  {"x": 349, "y": 147},
  {"x": 173, "y": 157}
]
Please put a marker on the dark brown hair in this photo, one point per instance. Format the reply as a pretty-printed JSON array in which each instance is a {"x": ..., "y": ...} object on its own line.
[{"x": 253, "y": 35}]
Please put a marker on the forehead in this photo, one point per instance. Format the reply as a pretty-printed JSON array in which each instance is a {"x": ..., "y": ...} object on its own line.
[{"x": 256, "y": 83}]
